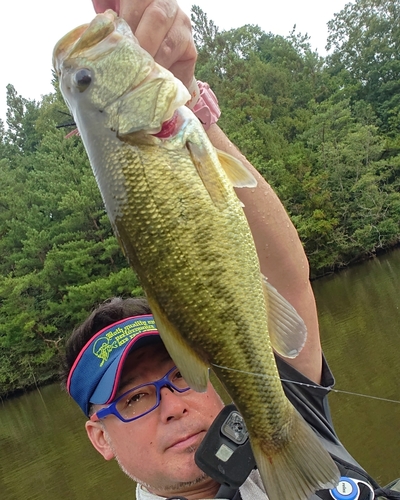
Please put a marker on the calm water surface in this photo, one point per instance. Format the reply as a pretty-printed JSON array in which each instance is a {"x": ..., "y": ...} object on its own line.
[
  {"x": 359, "y": 311},
  {"x": 44, "y": 452}
]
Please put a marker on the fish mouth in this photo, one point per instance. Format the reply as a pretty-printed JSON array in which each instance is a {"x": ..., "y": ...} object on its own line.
[
  {"x": 63, "y": 46},
  {"x": 89, "y": 48},
  {"x": 88, "y": 36}
]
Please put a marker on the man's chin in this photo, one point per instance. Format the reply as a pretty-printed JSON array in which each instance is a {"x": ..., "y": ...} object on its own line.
[{"x": 180, "y": 487}]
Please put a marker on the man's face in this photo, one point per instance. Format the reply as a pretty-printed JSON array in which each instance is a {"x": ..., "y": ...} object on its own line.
[{"x": 158, "y": 449}]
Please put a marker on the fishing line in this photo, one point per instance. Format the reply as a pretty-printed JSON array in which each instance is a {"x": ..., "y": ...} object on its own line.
[{"x": 309, "y": 385}]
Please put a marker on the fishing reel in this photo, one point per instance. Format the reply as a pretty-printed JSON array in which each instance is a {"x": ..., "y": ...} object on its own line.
[{"x": 352, "y": 489}]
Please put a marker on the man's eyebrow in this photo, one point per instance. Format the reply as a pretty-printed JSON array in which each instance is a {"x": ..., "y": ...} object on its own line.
[
  {"x": 123, "y": 386},
  {"x": 130, "y": 380}
]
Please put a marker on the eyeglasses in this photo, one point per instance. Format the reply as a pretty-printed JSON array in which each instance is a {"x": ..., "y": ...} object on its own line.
[{"x": 142, "y": 399}]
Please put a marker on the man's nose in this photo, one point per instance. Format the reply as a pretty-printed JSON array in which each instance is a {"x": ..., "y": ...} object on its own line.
[{"x": 172, "y": 404}]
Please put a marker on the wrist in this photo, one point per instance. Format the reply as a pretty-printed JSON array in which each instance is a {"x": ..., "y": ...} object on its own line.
[{"x": 204, "y": 103}]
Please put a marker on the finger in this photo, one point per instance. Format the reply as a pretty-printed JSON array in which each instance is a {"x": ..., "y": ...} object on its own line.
[
  {"x": 184, "y": 71},
  {"x": 176, "y": 41},
  {"x": 155, "y": 22},
  {"x": 102, "y": 5},
  {"x": 178, "y": 52}
]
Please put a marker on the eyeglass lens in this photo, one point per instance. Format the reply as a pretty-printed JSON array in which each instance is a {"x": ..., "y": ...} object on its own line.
[{"x": 144, "y": 398}]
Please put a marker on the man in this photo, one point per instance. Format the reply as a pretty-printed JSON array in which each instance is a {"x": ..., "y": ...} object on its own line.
[
  {"x": 142, "y": 413},
  {"x": 155, "y": 430}
]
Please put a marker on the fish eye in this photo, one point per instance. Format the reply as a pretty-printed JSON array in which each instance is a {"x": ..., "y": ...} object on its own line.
[{"x": 82, "y": 79}]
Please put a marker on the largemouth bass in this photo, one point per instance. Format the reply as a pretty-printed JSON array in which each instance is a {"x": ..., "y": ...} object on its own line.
[{"x": 170, "y": 198}]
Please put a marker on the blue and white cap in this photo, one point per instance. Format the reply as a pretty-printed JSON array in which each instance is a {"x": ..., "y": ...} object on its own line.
[{"x": 95, "y": 375}]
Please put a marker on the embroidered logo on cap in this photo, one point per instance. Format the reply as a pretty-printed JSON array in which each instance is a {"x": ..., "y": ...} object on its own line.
[{"x": 119, "y": 336}]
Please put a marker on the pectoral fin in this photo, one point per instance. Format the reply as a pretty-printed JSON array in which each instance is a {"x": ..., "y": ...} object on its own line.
[
  {"x": 287, "y": 330},
  {"x": 194, "y": 370},
  {"x": 206, "y": 169},
  {"x": 235, "y": 170}
]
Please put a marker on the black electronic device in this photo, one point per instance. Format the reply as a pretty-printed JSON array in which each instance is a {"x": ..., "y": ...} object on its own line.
[{"x": 225, "y": 453}]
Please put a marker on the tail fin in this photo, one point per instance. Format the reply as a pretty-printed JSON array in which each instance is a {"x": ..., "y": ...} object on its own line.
[{"x": 300, "y": 468}]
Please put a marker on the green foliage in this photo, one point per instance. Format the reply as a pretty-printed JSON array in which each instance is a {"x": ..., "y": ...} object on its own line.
[
  {"x": 306, "y": 126},
  {"x": 323, "y": 132},
  {"x": 357, "y": 209},
  {"x": 59, "y": 257},
  {"x": 365, "y": 37}
]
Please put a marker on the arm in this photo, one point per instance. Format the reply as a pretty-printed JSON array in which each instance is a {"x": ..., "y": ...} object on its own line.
[{"x": 164, "y": 30}]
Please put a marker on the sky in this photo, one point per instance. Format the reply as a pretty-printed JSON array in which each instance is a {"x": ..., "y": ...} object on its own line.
[{"x": 29, "y": 31}]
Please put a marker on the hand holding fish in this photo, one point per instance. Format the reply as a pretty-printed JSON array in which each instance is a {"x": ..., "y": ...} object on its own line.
[{"x": 162, "y": 29}]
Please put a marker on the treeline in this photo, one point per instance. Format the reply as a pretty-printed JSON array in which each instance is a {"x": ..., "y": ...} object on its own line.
[{"x": 324, "y": 132}]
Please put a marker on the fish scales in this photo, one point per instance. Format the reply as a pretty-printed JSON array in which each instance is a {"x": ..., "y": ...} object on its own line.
[
  {"x": 181, "y": 275},
  {"x": 174, "y": 211}
]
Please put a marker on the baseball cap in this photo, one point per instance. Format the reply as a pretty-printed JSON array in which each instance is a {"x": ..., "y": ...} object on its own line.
[{"x": 95, "y": 375}]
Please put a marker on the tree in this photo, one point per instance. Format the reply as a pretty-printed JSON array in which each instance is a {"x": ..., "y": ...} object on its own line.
[
  {"x": 56, "y": 242},
  {"x": 365, "y": 37},
  {"x": 20, "y": 118},
  {"x": 358, "y": 214}
]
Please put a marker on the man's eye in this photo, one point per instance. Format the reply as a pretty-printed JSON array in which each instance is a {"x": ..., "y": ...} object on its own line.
[
  {"x": 178, "y": 378},
  {"x": 135, "y": 398}
]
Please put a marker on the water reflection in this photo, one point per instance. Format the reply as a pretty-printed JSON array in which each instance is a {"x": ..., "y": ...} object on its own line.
[
  {"x": 359, "y": 311},
  {"x": 45, "y": 453}
]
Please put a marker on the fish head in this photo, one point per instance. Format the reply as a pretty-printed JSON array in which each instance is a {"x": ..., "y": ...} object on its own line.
[{"x": 105, "y": 76}]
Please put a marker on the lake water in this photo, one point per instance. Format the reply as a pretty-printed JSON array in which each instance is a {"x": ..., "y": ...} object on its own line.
[
  {"x": 359, "y": 312},
  {"x": 45, "y": 455}
]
